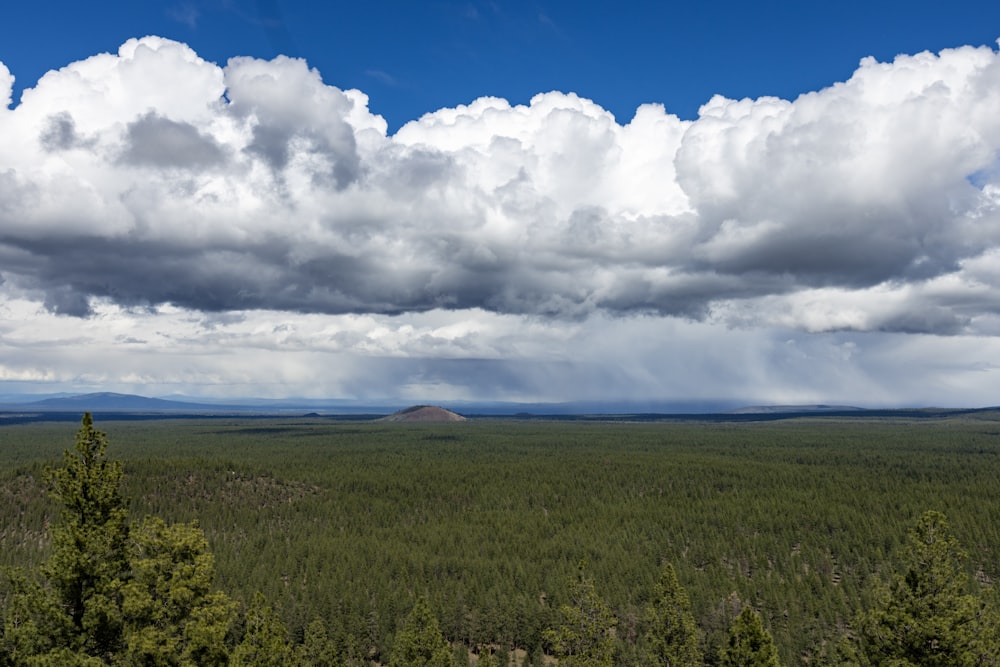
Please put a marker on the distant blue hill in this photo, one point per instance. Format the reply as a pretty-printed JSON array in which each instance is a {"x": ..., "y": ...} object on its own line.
[
  {"x": 130, "y": 403},
  {"x": 105, "y": 401}
]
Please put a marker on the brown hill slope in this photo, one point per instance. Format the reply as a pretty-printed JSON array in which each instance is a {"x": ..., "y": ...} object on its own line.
[{"x": 424, "y": 413}]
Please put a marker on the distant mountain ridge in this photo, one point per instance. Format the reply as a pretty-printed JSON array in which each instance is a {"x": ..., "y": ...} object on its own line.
[{"x": 111, "y": 401}]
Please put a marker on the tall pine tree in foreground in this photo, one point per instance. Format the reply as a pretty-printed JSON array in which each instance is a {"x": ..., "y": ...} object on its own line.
[
  {"x": 926, "y": 616},
  {"x": 108, "y": 595},
  {"x": 72, "y": 614}
]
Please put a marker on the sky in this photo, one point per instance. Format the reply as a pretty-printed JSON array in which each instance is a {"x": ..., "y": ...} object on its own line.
[{"x": 767, "y": 203}]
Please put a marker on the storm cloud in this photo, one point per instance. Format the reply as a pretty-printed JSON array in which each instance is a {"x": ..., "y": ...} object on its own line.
[{"x": 153, "y": 178}]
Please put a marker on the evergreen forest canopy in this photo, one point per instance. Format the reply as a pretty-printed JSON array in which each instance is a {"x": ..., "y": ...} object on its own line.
[{"x": 307, "y": 542}]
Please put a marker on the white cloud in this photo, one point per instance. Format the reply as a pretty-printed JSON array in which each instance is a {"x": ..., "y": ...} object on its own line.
[
  {"x": 166, "y": 189},
  {"x": 6, "y": 87}
]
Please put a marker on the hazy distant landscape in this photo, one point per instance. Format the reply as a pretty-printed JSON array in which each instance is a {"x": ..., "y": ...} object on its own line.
[
  {"x": 110, "y": 403},
  {"x": 98, "y": 401}
]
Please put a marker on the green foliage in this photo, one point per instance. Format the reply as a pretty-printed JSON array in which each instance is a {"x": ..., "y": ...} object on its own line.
[
  {"x": 585, "y": 635},
  {"x": 265, "y": 639},
  {"x": 316, "y": 649},
  {"x": 89, "y": 563},
  {"x": 35, "y": 626},
  {"x": 419, "y": 643},
  {"x": 342, "y": 520},
  {"x": 460, "y": 655},
  {"x": 925, "y": 616},
  {"x": 350, "y": 653},
  {"x": 534, "y": 658},
  {"x": 749, "y": 643},
  {"x": 172, "y": 616},
  {"x": 71, "y": 612},
  {"x": 108, "y": 595},
  {"x": 671, "y": 637},
  {"x": 487, "y": 659}
]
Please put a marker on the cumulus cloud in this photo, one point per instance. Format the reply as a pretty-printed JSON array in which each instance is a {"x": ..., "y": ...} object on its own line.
[
  {"x": 152, "y": 177},
  {"x": 160, "y": 142},
  {"x": 6, "y": 86}
]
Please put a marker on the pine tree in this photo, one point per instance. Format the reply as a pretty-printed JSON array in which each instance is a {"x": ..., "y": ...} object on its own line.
[
  {"x": 671, "y": 637},
  {"x": 71, "y": 614},
  {"x": 265, "y": 641},
  {"x": 317, "y": 649},
  {"x": 749, "y": 644},
  {"x": 35, "y": 625},
  {"x": 171, "y": 614},
  {"x": 487, "y": 659},
  {"x": 351, "y": 653},
  {"x": 535, "y": 658},
  {"x": 108, "y": 595},
  {"x": 89, "y": 563},
  {"x": 925, "y": 616},
  {"x": 586, "y": 635},
  {"x": 460, "y": 655},
  {"x": 420, "y": 643}
]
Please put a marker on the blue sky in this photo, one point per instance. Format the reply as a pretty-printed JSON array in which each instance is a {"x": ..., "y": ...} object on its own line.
[
  {"x": 432, "y": 202},
  {"x": 416, "y": 57}
]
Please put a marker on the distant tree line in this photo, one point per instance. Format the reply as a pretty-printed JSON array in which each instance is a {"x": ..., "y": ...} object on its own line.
[{"x": 114, "y": 593}]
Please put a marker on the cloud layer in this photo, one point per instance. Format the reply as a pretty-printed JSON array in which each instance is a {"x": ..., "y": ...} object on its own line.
[
  {"x": 442, "y": 356},
  {"x": 152, "y": 177}
]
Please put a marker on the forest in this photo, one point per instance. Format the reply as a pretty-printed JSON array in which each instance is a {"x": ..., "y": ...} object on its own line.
[{"x": 243, "y": 541}]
